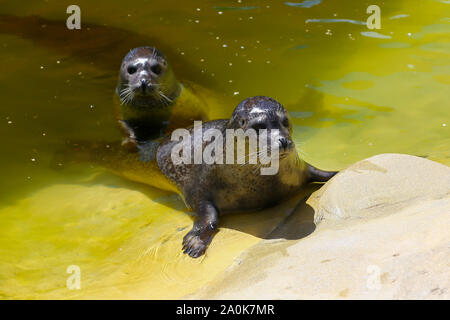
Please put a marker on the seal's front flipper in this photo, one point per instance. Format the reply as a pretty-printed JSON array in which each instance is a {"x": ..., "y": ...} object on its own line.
[
  {"x": 317, "y": 175},
  {"x": 129, "y": 143},
  {"x": 196, "y": 241}
]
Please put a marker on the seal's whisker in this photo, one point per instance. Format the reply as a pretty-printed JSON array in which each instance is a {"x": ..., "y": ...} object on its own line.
[
  {"x": 162, "y": 100},
  {"x": 298, "y": 147},
  {"x": 248, "y": 156},
  {"x": 124, "y": 91},
  {"x": 259, "y": 155},
  {"x": 126, "y": 95},
  {"x": 257, "y": 168},
  {"x": 165, "y": 97}
]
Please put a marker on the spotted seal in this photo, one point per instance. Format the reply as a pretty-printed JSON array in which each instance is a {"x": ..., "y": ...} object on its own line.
[
  {"x": 213, "y": 189},
  {"x": 151, "y": 102}
]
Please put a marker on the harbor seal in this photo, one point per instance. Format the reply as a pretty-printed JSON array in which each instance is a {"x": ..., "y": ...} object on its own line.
[
  {"x": 213, "y": 189},
  {"x": 151, "y": 102}
]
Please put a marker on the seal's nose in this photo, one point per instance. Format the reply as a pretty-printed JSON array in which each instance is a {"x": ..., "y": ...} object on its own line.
[
  {"x": 144, "y": 85},
  {"x": 283, "y": 143}
]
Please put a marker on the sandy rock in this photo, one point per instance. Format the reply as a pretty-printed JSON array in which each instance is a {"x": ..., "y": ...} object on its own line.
[
  {"x": 389, "y": 239},
  {"x": 380, "y": 185}
]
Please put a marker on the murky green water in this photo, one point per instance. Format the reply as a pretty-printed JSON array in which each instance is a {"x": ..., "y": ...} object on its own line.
[{"x": 353, "y": 93}]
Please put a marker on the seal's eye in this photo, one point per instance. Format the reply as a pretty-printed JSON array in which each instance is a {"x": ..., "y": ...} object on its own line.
[
  {"x": 156, "y": 69},
  {"x": 285, "y": 122},
  {"x": 131, "y": 69}
]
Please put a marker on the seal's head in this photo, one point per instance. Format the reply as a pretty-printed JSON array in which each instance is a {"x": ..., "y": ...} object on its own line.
[
  {"x": 261, "y": 113},
  {"x": 146, "y": 79}
]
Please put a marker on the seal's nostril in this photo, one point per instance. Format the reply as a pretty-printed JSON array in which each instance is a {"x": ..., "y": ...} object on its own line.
[
  {"x": 283, "y": 143},
  {"x": 144, "y": 85}
]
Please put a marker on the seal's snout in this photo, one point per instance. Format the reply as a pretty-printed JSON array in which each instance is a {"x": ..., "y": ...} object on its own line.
[
  {"x": 283, "y": 143},
  {"x": 145, "y": 85},
  {"x": 285, "y": 146}
]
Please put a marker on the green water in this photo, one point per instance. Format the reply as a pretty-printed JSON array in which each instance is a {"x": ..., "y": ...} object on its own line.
[{"x": 352, "y": 93}]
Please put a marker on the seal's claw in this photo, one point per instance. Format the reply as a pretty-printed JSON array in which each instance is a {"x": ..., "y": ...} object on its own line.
[{"x": 193, "y": 245}]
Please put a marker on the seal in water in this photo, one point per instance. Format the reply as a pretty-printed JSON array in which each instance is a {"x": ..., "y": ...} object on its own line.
[
  {"x": 210, "y": 189},
  {"x": 152, "y": 101}
]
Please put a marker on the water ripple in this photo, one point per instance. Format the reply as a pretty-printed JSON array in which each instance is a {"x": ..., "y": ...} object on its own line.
[
  {"x": 304, "y": 4},
  {"x": 300, "y": 46},
  {"x": 336, "y": 21},
  {"x": 373, "y": 34},
  {"x": 399, "y": 16}
]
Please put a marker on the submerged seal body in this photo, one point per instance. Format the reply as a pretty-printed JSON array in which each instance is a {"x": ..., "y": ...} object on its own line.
[
  {"x": 212, "y": 189},
  {"x": 151, "y": 100}
]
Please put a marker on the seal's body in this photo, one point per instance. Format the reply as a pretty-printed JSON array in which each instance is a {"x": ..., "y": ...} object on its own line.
[
  {"x": 151, "y": 100},
  {"x": 210, "y": 189}
]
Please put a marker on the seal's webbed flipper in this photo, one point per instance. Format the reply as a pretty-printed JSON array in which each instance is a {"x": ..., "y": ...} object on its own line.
[
  {"x": 197, "y": 240},
  {"x": 317, "y": 175}
]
